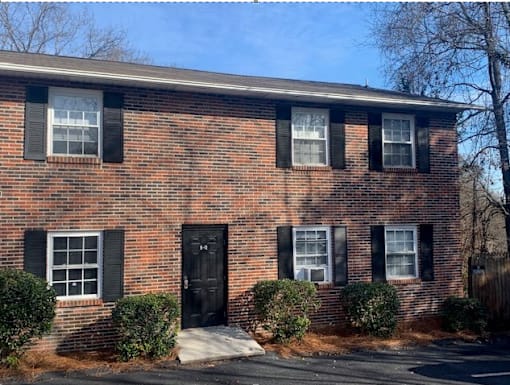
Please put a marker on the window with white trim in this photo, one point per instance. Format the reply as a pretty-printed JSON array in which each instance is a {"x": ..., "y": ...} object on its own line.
[
  {"x": 398, "y": 140},
  {"x": 401, "y": 250},
  {"x": 74, "y": 264},
  {"x": 310, "y": 136},
  {"x": 312, "y": 253},
  {"x": 74, "y": 119}
]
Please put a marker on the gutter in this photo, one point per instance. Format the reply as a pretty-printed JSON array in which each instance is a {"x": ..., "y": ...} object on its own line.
[{"x": 60, "y": 72}]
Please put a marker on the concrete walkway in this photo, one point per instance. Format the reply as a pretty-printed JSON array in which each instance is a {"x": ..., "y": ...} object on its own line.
[{"x": 215, "y": 343}]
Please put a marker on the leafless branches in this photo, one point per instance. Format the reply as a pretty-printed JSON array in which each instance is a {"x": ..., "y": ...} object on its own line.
[{"x": 54, "y": 28}]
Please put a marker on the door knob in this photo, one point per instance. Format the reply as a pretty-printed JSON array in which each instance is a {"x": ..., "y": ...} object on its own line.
[{"x": 185, "y": 282}]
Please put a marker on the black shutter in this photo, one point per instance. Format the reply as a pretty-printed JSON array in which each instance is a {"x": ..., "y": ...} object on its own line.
[
  {"x": 283, "y": 137},
  {"x": 113, "y": 130},
  {"x": 422, "y": 144},
  {"x": 427, "y": 252},
  {"x": 34, "y": 258},
  {"x": 375, "y": 161},
  {"x": 337, "y": 138},
  {"x": 285, "y": 251},
  {"x": 378, "y": 254},
  {"x": 36, "y": 111},
  {"x": 340, "y": 255},
  {"x": 113, "y": 265}
]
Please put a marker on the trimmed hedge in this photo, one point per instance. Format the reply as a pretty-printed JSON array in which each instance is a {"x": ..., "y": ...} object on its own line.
[
  {"x": 464, "y": 314},
  {"x": 372, "y": 307},
  {"x": 283, "y": 306},
  {"x": 27, "y": 310},
  {"x": 146, "y": 324}
]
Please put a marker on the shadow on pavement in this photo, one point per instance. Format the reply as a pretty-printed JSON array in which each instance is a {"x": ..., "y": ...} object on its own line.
[{"x": 479, "y": 372}]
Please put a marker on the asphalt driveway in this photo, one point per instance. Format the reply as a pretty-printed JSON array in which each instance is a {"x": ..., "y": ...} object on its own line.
[{"x": 442, "y": 363}]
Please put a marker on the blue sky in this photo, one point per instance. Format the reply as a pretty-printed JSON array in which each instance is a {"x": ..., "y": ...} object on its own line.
[{"x": 321, "y": 41}]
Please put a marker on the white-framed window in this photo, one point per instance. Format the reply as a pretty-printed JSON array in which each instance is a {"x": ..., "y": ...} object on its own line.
[
  {"x": 312, "y": 253},
  {"x": 401, "y": 249},
  {"x": 74, "y": 264},
  {"x": 398, "y": 140},
  {"x": 310, "y": 128},
  {"x": 74, "y": 122}
]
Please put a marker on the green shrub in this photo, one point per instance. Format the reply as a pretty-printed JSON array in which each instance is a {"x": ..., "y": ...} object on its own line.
[
  {"x": 283, "y": 306},
  {"x": 464, "y": 314},
  {"x": 372, "y": 307},
  {"x": 146, "y": 324},
  {"x": 27, "y": 309}
]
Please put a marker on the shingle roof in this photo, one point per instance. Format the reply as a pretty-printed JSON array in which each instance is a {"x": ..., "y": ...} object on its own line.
[{"x": 140, "y": 75}]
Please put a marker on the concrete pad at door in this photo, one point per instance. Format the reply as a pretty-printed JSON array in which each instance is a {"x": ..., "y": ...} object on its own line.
[{"x": 215, "y": 343}]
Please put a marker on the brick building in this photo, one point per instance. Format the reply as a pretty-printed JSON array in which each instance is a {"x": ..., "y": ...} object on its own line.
[{"x": 121, "y": 179}]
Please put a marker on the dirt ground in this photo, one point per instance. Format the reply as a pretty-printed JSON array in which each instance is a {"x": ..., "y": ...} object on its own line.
[{"x": 326, "y": 341}]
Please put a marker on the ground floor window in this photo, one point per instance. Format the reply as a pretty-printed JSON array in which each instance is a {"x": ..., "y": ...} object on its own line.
[
  {"x": 74, "y": 261},
  {"x": 312, "y": 253},
  {"x": 401, "y": 252}
]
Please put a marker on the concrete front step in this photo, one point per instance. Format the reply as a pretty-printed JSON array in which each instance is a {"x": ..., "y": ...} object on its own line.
[{"x": 215, "y": 343}]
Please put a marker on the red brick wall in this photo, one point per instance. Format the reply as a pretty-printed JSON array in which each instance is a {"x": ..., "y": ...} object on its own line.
[{"x": 199, "y": 159}]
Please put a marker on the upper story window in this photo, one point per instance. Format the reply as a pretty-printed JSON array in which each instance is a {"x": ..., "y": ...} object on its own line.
[
  {"x": 312, "y": 261},
  {"x": 74, "y": 261},
  {"x": 398, "y": 141},
  {"x": 74, "y": 122},
  {"x": 401, "y": 252},
  {"x": 310, "y": 136}
]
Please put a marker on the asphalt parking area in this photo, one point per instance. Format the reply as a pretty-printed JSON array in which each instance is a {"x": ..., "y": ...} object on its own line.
[{"x": 442, "y": 363}]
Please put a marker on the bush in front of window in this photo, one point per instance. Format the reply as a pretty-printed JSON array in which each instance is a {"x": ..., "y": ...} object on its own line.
[
  {"x": 146, "y": 324},
  {"x": 464, "y": 314},
  {"x": 27, "y": 310},
  {"x": 283, "y": 307},
  {"x": 372, "y": 307}
]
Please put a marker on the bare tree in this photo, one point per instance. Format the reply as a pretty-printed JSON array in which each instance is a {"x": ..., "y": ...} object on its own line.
[
  {"x": 460, "y": 51},
  {"x": 482, "y": 220},
  {"x": 54, "y": 28}
]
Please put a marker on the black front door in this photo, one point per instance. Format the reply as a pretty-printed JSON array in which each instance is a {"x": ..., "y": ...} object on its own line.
[{"x": 204, "y": 275}]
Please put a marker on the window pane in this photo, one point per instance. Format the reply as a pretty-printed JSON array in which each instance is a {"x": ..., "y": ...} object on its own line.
[
  {"x": 322, "y": 248},
  {"x": 75, "y": 117},
  {"x": 75, "y": 148},
  {"x": 90, "y": 274},
  {"x": 59, "y": 258},
  {"x": 90, "y": 287},
  {"x": 59, "y": 275},
  {"x": 91, "y": 118},
  {"x": 75, "y": 243},
  {"x": 300, "y": 235},
  {"x": 90, "y": 135},
  {"x": 60, "y": 133},
  {"x": 311, "y": 248},
  {"x": 75, "y": 258},
  {"x": 60, "y": 288},
  {"x": 300, "y": 248},
  {"x": 75, "y": 134},
  {"x": 60, "y": 243},
  {"x": 59, "y": 147},
  {"x": 90, "y": 148},
  {"x": 75, "y": 274},
  {"x": 91, "y": 242},
  {"x": 60, "y": 116},
  {"x": 300, "y": 261},
  {"x": 90, "y": 257},
  {"x": 74, "y": 288}
]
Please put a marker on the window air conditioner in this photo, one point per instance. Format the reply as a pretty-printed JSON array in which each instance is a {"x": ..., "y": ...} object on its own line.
[{"x": 314, "y": 274}]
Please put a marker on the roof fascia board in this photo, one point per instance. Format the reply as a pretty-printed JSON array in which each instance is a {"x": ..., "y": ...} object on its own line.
[{"x": 130, "y": 79}]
